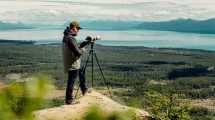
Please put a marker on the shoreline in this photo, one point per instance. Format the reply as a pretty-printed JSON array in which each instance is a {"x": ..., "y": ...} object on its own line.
[{"x": 108, "y": 43}]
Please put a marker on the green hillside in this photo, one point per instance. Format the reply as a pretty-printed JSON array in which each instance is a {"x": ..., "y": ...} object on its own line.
[{"x": 138, "y": 71}]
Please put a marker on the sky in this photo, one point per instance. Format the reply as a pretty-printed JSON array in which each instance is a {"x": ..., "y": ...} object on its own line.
[{"x": 58, "y": 11}]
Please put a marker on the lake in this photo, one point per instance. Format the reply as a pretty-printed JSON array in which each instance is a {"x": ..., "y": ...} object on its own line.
[{"x": 147, "y": 38}]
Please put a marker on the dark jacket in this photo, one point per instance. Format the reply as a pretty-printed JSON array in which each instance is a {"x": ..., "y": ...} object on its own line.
[{"x": 71, "y": 51}]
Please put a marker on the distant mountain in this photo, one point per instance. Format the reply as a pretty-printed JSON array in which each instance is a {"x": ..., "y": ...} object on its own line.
[
  {"x": 181, "y": 25},
  {"x": 108, "y": 25},
  {"x": 12, "y": 26},
  {"x": 111, "y": 25},
  {"x": 178, "y": 25},
  {"x": 17, "y": 42}
]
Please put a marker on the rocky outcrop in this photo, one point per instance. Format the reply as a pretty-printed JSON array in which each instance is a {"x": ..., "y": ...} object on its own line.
[{"x": 78, "y": 110}]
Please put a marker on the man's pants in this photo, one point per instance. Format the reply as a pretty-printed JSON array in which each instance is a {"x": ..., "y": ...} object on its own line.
[{"x": 72, "y": 76}]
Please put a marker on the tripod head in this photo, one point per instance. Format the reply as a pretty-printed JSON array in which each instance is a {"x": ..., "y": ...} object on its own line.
[{"x": 92, "y": 39}]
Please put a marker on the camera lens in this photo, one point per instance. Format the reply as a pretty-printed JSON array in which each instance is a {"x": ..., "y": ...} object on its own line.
[{"x": 89, "y": 38}]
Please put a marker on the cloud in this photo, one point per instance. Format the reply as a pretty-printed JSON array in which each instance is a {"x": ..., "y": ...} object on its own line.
[{"x": 58, "y": 11}]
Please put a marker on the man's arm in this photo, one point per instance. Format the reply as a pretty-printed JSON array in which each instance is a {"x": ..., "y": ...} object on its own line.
[
  {"x": 74, "y": 47},
  {"x": 84, "y": 43}
]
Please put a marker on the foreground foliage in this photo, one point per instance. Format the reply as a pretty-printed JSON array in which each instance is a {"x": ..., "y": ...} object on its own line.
[{"x": 21, "y": 98}]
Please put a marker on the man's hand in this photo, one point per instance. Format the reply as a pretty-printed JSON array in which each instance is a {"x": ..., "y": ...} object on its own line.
[
  {"x": 93, "y": 41},
  {"x": 83, "y": 50}
]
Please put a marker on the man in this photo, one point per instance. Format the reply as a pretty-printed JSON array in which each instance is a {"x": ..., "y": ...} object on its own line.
[{"x": 71, "y": 54}]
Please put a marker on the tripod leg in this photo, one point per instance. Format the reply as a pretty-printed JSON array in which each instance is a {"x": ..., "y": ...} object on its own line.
[
  {"x": 88, "y": 57},
  {"x": 92, "y": 67},
  {"x": 76, "y": 94},
  {"x": 82, "y": 81},
  {"x": 83, "y": 70},
  {"x": 107, "y": 85}
]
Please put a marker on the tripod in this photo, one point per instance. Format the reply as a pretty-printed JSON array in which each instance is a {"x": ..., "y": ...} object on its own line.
[{"x": 92, "y": 55}]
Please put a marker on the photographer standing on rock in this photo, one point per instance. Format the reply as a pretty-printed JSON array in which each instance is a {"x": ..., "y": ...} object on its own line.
[{"x": 71, "y": 56}]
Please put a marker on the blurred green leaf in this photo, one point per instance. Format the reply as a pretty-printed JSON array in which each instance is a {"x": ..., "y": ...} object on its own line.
[{"x": 20, "y": 99}]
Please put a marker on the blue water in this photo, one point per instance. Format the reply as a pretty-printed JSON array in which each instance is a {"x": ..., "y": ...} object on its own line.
[
  {"x": 157, "y": 39},
  {"x": 155, "y": 44},
  {"x": 151, "y": 44}
]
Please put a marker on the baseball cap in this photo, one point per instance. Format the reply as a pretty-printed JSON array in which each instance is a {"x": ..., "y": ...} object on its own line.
[{"x": 76, "y": 24}]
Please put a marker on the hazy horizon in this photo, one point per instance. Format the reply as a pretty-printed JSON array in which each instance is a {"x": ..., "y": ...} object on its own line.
[{"x": 46, "y": 18}]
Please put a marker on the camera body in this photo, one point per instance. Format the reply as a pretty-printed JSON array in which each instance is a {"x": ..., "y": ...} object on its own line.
[{"x": 93, "y": 38}]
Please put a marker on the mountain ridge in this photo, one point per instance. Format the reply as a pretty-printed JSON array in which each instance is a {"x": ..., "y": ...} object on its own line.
[
  {"x": 182, "y": 25},
  {"x": 178, "y": 25}
]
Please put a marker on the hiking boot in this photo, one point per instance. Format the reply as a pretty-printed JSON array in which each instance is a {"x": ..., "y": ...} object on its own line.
[
  {"x": 71, "y": 102},
  {"x": 84, "y": 91},
  {"x": 68, "y": 102}
]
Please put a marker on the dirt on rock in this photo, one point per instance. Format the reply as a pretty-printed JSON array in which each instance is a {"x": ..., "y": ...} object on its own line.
[{"x": 82, "y": 106}]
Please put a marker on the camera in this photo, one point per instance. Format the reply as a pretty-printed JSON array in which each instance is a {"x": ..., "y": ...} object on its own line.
[{"x": 93, "y": 38}]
